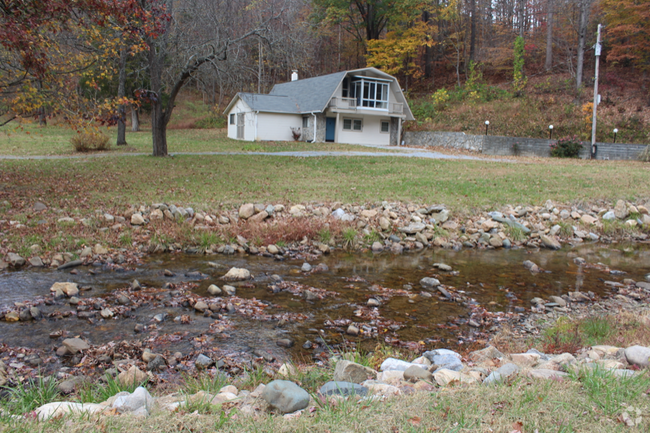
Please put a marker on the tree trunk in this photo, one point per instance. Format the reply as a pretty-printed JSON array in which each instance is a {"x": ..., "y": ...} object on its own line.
[
  {"x": 520, "y": 17},
  {"x": 549, "y": 36},
  {"x": 158, "y": 123},
  {"x": 428, "y": 51},
  {"x": 42, "y": 117},
  {"x": 135, "y": 119},
  {"x": 472, "y": 37},
  {"x": 582, "y": 35},
  {"x": 121, "y": 93}
]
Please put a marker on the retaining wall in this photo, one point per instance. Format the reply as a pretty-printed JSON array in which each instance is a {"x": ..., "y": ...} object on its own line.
[{"x": 507, "y": 146}]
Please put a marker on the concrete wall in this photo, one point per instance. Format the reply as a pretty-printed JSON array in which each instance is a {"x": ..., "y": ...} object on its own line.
[{"x": 505, "y": 146}]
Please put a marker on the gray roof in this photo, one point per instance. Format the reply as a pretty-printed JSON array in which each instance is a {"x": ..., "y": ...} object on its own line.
[
  {"x": 310, "y": 94},
  {"x": 270, "y": 103}
]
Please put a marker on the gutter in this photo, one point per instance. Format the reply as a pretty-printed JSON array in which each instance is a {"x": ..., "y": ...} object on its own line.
[{"x": 315, "y": 123}]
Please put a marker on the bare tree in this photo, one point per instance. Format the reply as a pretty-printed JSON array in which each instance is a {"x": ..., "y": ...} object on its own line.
[
  {"x": 548, "y": 64},
  {"x": 583, "y": 21}
]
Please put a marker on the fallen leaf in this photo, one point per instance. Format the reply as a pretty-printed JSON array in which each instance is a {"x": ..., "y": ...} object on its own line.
[{"x": 415, "y": 421}]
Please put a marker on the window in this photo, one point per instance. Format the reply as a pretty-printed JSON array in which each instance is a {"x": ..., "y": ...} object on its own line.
[
  {"x": 385, "y": 126},
  {"x": 370, "y": 93},
  {"x": 352, "y": 124},
  {"x": 232, "y": 119},
  {"x": 305, "y": 121}
]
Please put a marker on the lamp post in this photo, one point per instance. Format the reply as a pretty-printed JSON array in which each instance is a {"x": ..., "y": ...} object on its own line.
[
  {"x": 550, "y": 132},
  {"x": 487, "y": 124},
  {"x": 615, "y": 132}
]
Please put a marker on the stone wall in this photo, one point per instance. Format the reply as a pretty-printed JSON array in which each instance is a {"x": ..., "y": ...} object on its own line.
[{"x": 507, "y": 146}]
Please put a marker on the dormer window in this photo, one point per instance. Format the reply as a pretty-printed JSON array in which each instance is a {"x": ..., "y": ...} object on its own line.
[{"x": 370, "y": 92}]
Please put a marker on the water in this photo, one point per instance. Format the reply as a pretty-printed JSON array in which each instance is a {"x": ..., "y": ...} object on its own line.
[{"x": 494, "y": 279}]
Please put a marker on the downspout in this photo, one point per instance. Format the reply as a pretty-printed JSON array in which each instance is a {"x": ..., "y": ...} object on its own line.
[
  {"x": 315, "y": 123},
  {"x": 257, "y": 115}
]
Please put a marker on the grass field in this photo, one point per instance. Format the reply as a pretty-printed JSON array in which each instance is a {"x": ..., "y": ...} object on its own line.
[
  {"x": 207, "y": 181},
  {"x": 28, "y": 139}
]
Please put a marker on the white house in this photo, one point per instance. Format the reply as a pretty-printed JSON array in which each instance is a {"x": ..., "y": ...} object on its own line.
[{"x": 363, "y": 106}]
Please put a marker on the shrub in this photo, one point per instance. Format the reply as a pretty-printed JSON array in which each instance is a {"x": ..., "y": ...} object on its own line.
[
  {"x": 566, "y": 147},
  {"x": 89, "y": 141}
]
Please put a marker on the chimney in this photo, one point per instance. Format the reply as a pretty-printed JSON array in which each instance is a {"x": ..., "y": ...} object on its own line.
[{"x": 294, "y": 75}]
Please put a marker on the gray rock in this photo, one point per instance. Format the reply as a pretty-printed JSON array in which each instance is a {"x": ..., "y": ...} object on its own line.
[
  {"x": 440, "y": 217},
  {"x": 512, "y": 223},
  {"x": 415, "y": 373},
  {"x": 412, "y": 228},
  {"x": 532, "y": 267},
  {"x": 157, "y": 363},
  {"x": 36, "y": 262},
  {"x": 343, "y": 388},
  {"x": 377, "y": 246},
  {"x": 348, "y": 371},
  {"x": 396, "y": 364},
  {"x": 138, "y": 403},
  {"x": 609, "y": 216},
  {"x": 246, "y": 211},
  {"x": 310, "y": 296},
  {"x": 504, "y": 372},
  {"x": 306, "y": 267},
  {"x": 68, "y": 386},
  {"x": 15, "y": 260},
  {"x": 214, "y": 290},
  {"x": 75, "y": 345},
  {"x": 70, "y": 264},
  {"x": 372, "y": 302},
  {"x": 429, "y": 283},
  {"x": 39, "y": 206},
  {"x": 620, "y": 210},
  {"x": 643, "y": 285},
  {"x": 285, "y": 396},
  {"x": 202, "y": 362},
  {"x": 230, "y": 290},
  {"x": 444, "y": 358},
  {"x": 638, "y": 355}
]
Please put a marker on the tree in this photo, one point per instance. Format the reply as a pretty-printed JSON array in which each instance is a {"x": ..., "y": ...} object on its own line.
[
  {"x": 583, "y": 21},
  {"x": 628, "y": 31},
  {"x": 548, "y": 64}
]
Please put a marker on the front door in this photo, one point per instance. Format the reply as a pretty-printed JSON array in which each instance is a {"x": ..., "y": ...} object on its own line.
[{"x": 330, "y": 128}]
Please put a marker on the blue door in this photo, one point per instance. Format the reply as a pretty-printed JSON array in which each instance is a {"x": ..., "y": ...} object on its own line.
[{"x": 330, "y": 127}]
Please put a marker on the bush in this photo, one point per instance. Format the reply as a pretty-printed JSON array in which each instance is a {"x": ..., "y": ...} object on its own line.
[
  {"x": 88, "y": 141},
  {"x": 566, "y": 147}
]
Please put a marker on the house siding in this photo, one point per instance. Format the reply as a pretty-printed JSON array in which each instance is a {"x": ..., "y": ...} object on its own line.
[
  {"x": 370, "y": 133},
  {"x": 249, "y": 121},
  {"x": 277, "y": 127}
]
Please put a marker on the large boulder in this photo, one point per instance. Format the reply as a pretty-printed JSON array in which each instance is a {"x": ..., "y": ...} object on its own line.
[
  {"x": 285, "y": 396},
  {"x": 638, "y": 355},
  {"x": 444, "y": 358},
  {"x": 63, "y": 408},
  {"x": 15, "y": 260},
  {"x": 140, "y": 402},
  {"x": 246, "y": 211},
  {"x": 348, "y": 371}
]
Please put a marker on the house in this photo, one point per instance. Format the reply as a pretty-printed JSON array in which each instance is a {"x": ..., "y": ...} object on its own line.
[{"x": 362, "y": 106}]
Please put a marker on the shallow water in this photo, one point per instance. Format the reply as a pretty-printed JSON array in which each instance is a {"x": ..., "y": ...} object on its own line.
[{"x": 495, "y": 279}]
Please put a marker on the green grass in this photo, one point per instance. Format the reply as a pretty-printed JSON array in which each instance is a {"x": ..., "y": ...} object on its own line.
[
  {"x": 209, "y": 180},
  {"x": 27, "y": 396},
  {"x": 28, "y": 139}
]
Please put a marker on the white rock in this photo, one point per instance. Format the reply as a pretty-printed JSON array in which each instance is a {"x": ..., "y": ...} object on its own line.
[{"x": 60, "y": 409}]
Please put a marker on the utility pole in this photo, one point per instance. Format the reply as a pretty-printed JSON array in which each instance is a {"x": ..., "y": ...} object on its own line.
[{"x": 596, "y": 98}]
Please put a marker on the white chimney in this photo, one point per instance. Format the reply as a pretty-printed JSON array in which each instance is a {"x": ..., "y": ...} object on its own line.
[{"x": 294, "y": 75}]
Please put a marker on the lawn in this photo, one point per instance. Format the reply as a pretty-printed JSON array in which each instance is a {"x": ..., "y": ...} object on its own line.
[
  {"x": 207, "y": 181},
  {"x": 28, "y": 139}
]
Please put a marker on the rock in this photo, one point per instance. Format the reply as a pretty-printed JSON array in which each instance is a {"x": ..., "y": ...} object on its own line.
[
  {"x": 496, "y": 241},
  {"x": 638, "y": 355},
  {"x": 442, "y": 267},
  {"x": 99, "y": 249},
  {"x": 446, "y": 359},
  {"x": 588, "y": 219},
  {"x": 158, "y": 363},
  {"x": 15, "y": 260},
  {"x": 259, "y": 217},
  {"x": 285, "y": 342},
  {"x": 352, "y": 330},
  {"x": 36, "y": 262},
  {"x": 348, "y": 371},
  {"x": 285, "y": 396},
  {"x": 609, "y": 216},
  {"x": 384, "y": 223},
  {"x": 39, "y": 206},
  {"x": 395, "y": 364},
  {"x": 75, "y": 345},
  {"x": 543, "y": 373},
  {"x": 377, "y": 246},
  {"x": 132, "y": 376},
  {"x": 61, "y": 409},
  {"x": 229, "y": 290},
  {"x": 70, "y": 264},
  {"x": 68, "y": 289},
  {"x": 412, "y": 228},
  {"x": 35, "y": 313},
  {"x": 532, "y": 267},
  {"x": 502, "y": 373},
  {"x": 550, "y": 242},
  {"x": 139, "y": 403},
  {"x": 561, "y": 302},
  {"x": 246, "y": 211},
  {"x": 620, "y": 210},
  {"x": 525, "y": 359},
  {"x": 444, "y": 377},
  {"x": 488, "y": 353},
  {"x": 214, "y": 290},
  {"x": 372, "y": 302},
  {"x": 306, "y": 267},
  {"x": 441, "y": 216},
  {"x": 12, "y": 316},
  {"x": 382, "y": 389},
  {"x": 343, "y": 388},
  {"x": 203, "y": 362},
  {"x": 106, "y": 313},
  {"x": 391, "y": 376},
  {"x": 237, "y": 274},
  {"x": 415, "y": 373},
  {"x": 310, "y": 296},
  {"x": 272, "y": 249},
  {"x": 71, "y": 384},
  {"x": 429, "y": 283},
  {"x": 137, "y": 219},
  {"x": 200, "y": 306}
]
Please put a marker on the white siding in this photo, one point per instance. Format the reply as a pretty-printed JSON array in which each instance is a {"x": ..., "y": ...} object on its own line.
[
  {"x": 277, "y": 127},
  {"x": 249, "y": 121},
  {"x": 370, "y": 133}
]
